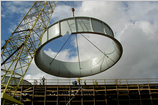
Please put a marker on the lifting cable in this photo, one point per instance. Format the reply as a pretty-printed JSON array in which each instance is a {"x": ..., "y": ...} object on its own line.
[
  {"x": 96, "y": 47},
  {"x": 85, "y": 50},
  {"x": 78, "y": 52},
  {"x": 60, "y": 49}
]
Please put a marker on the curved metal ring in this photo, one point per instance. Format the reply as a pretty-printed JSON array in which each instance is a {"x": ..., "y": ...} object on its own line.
[{"x": 76, "y": 25}]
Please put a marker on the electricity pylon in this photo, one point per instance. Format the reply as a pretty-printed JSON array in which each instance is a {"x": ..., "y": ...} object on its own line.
[{"x": 19, "y": 50}]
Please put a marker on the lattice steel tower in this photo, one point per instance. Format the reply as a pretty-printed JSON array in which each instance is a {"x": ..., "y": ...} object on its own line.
[{"x": 19, "y": 50}]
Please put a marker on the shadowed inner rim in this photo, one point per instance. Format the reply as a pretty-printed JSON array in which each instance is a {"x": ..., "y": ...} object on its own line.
[
  {"x": 79, "y": 47},
  {"x": 113, "y": 39}
]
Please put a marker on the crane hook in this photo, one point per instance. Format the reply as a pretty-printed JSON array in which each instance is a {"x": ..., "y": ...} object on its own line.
[{"x": 73, "y": 10}]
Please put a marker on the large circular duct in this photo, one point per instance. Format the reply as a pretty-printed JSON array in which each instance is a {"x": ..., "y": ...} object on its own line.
[{"x": 78, "y": 25}]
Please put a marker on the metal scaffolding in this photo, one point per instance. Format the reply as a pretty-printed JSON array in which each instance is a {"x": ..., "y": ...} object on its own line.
[{"x": 111, "y": 92}]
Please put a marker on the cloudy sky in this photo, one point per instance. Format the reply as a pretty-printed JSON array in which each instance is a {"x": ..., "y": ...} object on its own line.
[{"x": 135, "y": 25}]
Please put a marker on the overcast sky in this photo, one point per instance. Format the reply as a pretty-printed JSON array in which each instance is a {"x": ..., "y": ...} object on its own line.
[{"x": 135, "y": 25}]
